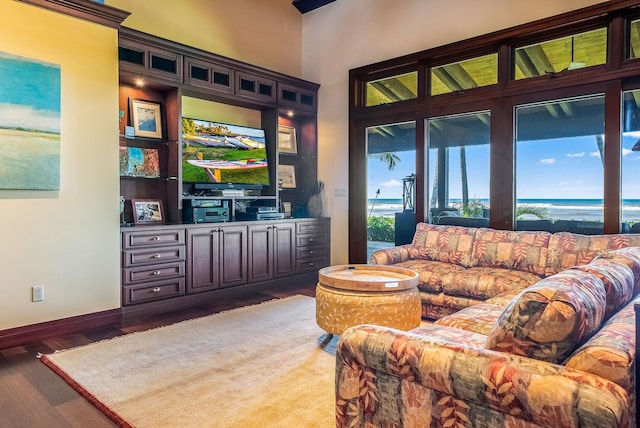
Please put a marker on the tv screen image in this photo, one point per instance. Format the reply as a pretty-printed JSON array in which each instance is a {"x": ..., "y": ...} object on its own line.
[{"x": 215, "y": 152}]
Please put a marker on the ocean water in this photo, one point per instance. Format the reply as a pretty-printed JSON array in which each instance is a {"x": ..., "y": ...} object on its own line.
[{"x": 557, "y": 209}]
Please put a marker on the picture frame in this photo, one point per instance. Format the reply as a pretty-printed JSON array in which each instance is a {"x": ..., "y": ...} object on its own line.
[
  {"x": 147, "y": 211},
  {"x": 287, "y": 176},
  {"x": 287, "y": 142},
  {"x": 146, "y": 118},
  {"x": 286, "y": 209}
]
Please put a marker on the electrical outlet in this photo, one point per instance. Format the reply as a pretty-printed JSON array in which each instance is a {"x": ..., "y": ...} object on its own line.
[
  {"x": 37, "y": 293},
  {"x": 340, "y": 192}
]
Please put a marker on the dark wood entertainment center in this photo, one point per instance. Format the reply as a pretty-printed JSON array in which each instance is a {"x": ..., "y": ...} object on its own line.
[{"x": 175, "y": 264}]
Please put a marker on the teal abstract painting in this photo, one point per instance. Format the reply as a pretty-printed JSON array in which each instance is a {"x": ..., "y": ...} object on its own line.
[{"x": 29, "y": 124}]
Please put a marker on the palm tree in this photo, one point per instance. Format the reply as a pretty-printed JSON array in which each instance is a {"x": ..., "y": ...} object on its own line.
[{"x": 390, "y": 158}]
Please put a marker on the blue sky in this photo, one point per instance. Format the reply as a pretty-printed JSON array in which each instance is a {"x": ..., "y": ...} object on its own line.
[
  {"x": 568, "y": 168},
  {"x": 29, "y": 93}
]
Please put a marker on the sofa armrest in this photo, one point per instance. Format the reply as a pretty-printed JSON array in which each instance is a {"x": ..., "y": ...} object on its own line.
[
  {"x": 386, "y": 377},
  {"x": 389, "y": 256}
]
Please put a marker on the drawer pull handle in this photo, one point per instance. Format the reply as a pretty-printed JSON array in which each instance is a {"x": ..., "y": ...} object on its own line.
[
  {"x": 155, "y": 238},
  {"x": 156, "y": 256},
  {"x": 311, "y": 264},
  {"x": 311, "y": 252},
  {"x": 156, "y": 272},
  {"x": 155, "y": 290}
]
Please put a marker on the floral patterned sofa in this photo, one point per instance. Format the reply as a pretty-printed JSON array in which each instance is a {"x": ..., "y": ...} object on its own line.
[
  {"x": 463, "y": 266},
  {"x": 559, "y": 353}
]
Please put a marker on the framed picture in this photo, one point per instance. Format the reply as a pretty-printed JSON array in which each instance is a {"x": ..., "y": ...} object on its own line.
[
  {"x": 286, "y": 209},
  {"x": 146, "y": 119},
  {"x": 147, "y": 211},
  {"x": 287, "y": 139},
  {"x": 287, "y": 176},
  {"x": 139, "y": 162}
]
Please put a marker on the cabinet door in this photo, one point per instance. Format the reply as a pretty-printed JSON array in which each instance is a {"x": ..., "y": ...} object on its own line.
[
  {"x": 284, "y": 249},
  {"x": 232, "y": 260},
  {"x": 260, "y": 252},
  {"x": 202, "y": 259}
]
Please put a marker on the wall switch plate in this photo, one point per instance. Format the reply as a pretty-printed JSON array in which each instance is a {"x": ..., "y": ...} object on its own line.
[
  {"x": 340, "y": 192},
  {"x": 37, "y": 293}
]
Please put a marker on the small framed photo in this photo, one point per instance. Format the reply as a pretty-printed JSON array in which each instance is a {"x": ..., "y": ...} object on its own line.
[
  {"x": 146, "y": 119},
  {"x": 287, "y": 139},
  {"x": 287, "y": 176},
  {"x": 286, "y": 209},
  {"x": 147, "y": 211}
]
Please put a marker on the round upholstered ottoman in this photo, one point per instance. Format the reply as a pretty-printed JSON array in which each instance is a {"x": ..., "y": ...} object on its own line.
[{"x": 349, "y": 295}]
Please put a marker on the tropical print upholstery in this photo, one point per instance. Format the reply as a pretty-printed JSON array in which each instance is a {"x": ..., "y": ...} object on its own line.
[
  {"x": 549, "y": 319},
  {"x": 462, "y": 264},
  {"x": 430, "y": 273},
  {"x": 485, "y": 282},
  {"x": 479, "y": 318},
  {"x": 431, "y": 377},
  {"x": 611, "y": 351},
  {"x": 617, "y": 279},
  {"x": 521, "y": 251},
  {"x": 449, "y": 244},
  {"x": 570, "y": 249},
  {"x": 629, "y": 256}
]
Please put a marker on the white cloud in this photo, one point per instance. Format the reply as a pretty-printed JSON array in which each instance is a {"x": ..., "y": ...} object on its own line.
[
  {"x": 595, "y": 154},
  {"x": 626, "y": 152},
  {"x": 575, "y": 155},
  {"x": 547, "y": 161},
  {"x": 392, "y": 183}
]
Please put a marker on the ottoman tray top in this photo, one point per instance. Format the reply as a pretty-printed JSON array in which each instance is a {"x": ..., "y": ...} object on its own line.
[{"x": 368, "y": 277}]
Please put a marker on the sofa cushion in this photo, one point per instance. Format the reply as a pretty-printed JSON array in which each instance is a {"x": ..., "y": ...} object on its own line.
[
  {"x": 478, "y": 318},
  {"x": 628, "y": 256},
  {"x": 430, "y": 273},
  {"x": 611, "y": 351},
  {"x": 618, "y": 282},
  {"x": 548, "y": 320},
  {"x": 486, "y": 282},
  {"x": 570, "y": 249},
  {"x": 448, "y": 244},
  {"x": 524, "y": 251}
]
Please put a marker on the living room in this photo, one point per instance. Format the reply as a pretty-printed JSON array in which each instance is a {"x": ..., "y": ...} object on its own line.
[{"x": 68, "y": 240}]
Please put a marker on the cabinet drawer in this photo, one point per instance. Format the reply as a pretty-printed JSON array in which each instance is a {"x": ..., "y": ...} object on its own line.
[
  {"x": 311, "y": 240},
  {"x": 308, "y": 265},
  {"x": 155, "y": 237},
  {"x": 310, "y": 253},
  {"x": 152, "y": 272},
  {"x": 146, "y": 256},
  {"x": 152, "y": 291},
  {"x": 311, "y": 227}
]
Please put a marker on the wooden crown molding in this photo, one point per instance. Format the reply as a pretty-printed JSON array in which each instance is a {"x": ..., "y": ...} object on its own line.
[{"x": 84, "y": 9}]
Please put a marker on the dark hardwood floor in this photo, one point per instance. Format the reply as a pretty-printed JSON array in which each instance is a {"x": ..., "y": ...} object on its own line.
[{"x": 33, "y": 396}]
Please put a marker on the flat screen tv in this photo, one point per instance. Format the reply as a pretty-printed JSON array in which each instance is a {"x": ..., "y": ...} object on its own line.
[{"x": 222, "y": 155}]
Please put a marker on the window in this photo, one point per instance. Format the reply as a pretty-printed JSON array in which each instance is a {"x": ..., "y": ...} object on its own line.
[
  {"x": 558, "y": 55},
  {"x": 559, "y": 163},
  {"x": 458, "y": 167},
  {"x": 392, "y": 89},
  {"x": 391, "y": 162},
  {"x": 631, "y": 159},
  {"x": 634, "y": 39},
  {"x": 468, "y": 74}
]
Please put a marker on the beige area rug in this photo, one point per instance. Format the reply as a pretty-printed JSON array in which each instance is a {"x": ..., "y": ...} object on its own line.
[{"x": 267, "y": 365}]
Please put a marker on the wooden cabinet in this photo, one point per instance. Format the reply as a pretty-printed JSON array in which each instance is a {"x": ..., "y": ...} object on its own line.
[
  {"x": 312, "y": 244},
  {"x": 271, "y": 250},
  {"x": 217, "y": 257},
  {"x": 167, "y": 267},
  {"x": 152, "y": 265}
]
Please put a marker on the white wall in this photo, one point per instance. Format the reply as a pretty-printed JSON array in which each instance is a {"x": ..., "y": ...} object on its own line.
[
  {"x": 66, "y": 240},
  {"x": 351, "y": 33}
]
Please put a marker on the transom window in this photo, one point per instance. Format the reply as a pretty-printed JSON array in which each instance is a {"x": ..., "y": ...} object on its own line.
[
  {"x": 392, "y": 89},
  {"x": 565, "y": 53},
  {"x": 467, "y": 74}
]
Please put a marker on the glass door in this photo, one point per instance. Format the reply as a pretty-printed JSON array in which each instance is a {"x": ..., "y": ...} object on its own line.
[{"x": 391, "y": 168}]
